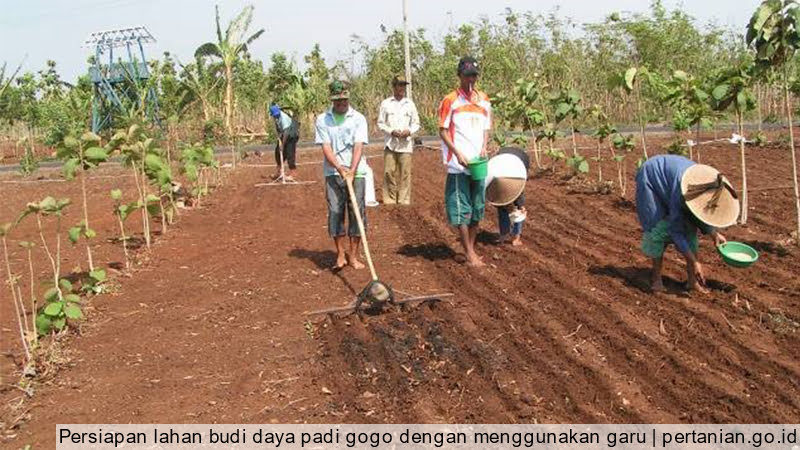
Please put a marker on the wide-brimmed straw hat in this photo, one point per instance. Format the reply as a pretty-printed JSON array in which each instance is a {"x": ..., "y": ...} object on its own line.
[
  {"x": 505, "y": 179},
  {"x": 710, "y": 196}
]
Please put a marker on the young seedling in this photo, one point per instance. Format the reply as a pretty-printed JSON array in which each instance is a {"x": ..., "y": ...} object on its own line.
[
  {"x": 620, "y": 147},
  {"x": 29, "y": 246},
  {"x": 551, "y": 133},
  {"x": 690, "y": 108},
  {"x": 82, "y": 154},
  {"x": 603, "y": 131},
  {"x": 16, "y": 295},
  {"x": 122, "y": 211},
  {"x": 198, "y": 160},
  {"x": 567, "y": 105},
  {"x": 632, "y": 81}
]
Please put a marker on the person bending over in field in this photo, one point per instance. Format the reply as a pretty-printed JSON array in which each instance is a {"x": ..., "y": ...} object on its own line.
[
  {"x": 288, "y": 131},
  {"x": 464, "y": 123},
  {"x": 675, "y": 197},
  {"x": 506, "y": 177},
  {"x": 342, "y": 133}
]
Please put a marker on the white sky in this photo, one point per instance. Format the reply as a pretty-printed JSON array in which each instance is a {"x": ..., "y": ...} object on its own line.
[{"x": 37, "y": 30}]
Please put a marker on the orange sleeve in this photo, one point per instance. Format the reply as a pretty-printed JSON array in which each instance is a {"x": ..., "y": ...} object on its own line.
[{"x": 444, "y": 111}]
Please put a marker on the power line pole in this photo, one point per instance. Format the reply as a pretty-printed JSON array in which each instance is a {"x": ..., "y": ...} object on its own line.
[{"x": 407, "y": 50}]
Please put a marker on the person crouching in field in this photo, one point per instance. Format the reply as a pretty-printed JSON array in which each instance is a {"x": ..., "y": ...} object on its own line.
[
  {"x": 675, "y": 197},
  {"x": 506, "y": 177},
  {"x": 342, "y": 133}
]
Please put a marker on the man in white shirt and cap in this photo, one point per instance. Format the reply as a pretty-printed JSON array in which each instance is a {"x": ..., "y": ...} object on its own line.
[{"x": 399, "y": 120}]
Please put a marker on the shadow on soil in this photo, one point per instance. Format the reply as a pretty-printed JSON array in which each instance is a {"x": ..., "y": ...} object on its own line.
[
  {"x": 323, "y": 259},
  {"x": 768, "y": 247},
  {"x": 639, "y": 278},
  {"x": 432, "y": 252}
]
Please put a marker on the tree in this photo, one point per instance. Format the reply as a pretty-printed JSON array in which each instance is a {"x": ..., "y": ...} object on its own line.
[
  {"x": 228, "y": 48},
  {"x": 733, "y": 89},
  {"x": 774, "y": 33}
]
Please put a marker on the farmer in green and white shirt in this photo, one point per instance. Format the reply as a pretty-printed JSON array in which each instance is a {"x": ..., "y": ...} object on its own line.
[{"x": 342, "y": 132}]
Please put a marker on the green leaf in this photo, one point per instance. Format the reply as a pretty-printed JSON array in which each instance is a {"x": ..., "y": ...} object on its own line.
[
  {"x": 51, "y": 295},
  {"x": 583, "y": 166},
  {"x": 630, "y": 77},
  {"x": 116, "y": 194},
  {"x": 59, "y": 323},
  {"x": 70, "y": 167},
  {"x": 65, "y": 285},
  {"x": 71, "y": 143},
  {"x": 43, "y": 324},
  {"x": 72, "y": 298},
  {"x": 73, "y": 312},
  {"x": 54, "y": 309},
  {"x": 98, "y": 275},
  {"x": 619, "y": 158},
  {"x": 720, "y": 92},
  {"x": 96, "y": 154},
  {"x": 48, "y": 204},
  {"x": 89, "y": 233},
  {"x": 680, "y": 75},
  {"x": 74, "y": 234}
]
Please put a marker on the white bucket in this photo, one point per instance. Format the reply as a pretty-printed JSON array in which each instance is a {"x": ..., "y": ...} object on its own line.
[{"x": 369, "y": 188}]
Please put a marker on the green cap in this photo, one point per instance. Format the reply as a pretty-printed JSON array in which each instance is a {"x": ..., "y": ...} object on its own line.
[{"x": 339, "y": 90}]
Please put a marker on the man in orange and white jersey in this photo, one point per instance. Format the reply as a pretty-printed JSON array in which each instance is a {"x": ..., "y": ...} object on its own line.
[{"x": 465, "y": 118}]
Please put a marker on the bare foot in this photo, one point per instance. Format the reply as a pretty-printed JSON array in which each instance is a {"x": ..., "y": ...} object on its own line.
[
  {"x": 697, "y": 287},
  {"x": 658, "y": 286},
  {"x": 475, "y": 261},
  {"x": 517, "y": 242},
  {"x": 355, "y": 263},
  {"x": 341, "y": 261}
]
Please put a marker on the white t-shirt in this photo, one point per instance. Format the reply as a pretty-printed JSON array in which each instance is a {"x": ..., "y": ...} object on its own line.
[{"x": 466, "y": 119}]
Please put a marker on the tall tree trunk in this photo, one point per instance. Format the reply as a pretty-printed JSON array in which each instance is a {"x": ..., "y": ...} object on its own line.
[
  {"x": 791, "y": 143},
  {"x": 745, "y": 206},
  {"x": 229, "y": 110}
]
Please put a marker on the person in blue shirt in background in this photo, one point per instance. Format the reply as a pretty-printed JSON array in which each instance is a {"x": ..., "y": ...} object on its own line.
[
  {"x": 675, "y": 197},
  {"x": 288, "y": 130}
]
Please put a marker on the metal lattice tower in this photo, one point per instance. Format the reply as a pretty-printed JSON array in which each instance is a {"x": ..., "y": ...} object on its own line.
[{"x": 120, "y": 82}]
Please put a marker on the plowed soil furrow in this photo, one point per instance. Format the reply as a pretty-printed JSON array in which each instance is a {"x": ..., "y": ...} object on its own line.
[{"x": 211, "y": 326}]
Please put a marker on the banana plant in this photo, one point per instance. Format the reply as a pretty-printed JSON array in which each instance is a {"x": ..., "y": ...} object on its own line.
[
  {"x": 82, "y": 154},
  {"x": 567, "y": 105},
  {"x": 621, "y": 145},
  {"x": 733, "y": 89},
  {"x": 774, "y": 33},
  {"x": 228, "y": 48},
  {"x": 16, "y": 294}
]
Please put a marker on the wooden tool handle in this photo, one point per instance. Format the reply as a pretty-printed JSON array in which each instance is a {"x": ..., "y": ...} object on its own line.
[{"x": 357, "y": 213}]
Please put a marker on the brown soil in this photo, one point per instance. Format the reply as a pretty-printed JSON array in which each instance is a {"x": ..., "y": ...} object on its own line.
[{"x": 210, "y": 326}]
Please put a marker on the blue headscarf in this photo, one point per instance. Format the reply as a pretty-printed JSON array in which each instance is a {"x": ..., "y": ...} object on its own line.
[{"x": 274, "y": 110}]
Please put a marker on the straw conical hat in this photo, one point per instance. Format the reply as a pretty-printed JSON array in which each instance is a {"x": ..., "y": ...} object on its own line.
[
  {"x": 505, "y": 179},
  {"x": 710, "y": 196}
]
